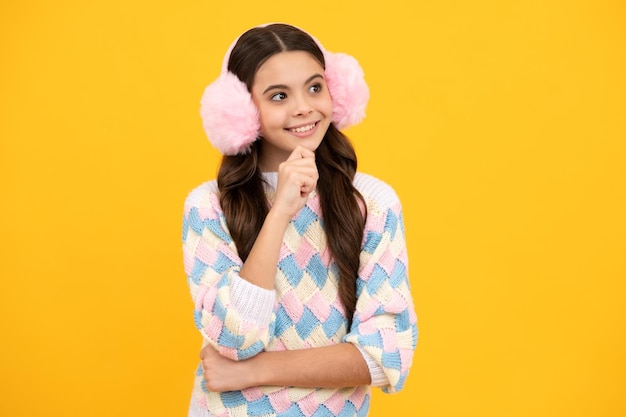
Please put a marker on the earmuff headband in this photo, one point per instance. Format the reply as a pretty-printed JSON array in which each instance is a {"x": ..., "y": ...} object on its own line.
[{"x": 231, "y": 120}]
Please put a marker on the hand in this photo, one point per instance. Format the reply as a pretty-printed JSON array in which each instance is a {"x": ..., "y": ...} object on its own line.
[
  {"x": 334, "y": 366},
  {"x": 223, "y": 374},
  {"x": 297, "y": 178}
]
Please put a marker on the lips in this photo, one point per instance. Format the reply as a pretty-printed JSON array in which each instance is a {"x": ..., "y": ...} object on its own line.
[{"x": 303, "y": 129}]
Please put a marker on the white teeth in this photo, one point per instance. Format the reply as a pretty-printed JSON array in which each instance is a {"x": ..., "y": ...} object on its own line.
[{"x": 303, "y": 128}]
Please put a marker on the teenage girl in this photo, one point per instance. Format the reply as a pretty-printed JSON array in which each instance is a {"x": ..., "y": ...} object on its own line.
[{"x": 296, "y": 262}]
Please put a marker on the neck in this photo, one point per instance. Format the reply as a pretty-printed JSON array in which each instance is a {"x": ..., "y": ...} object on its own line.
[{"x": 271, "y": 157}]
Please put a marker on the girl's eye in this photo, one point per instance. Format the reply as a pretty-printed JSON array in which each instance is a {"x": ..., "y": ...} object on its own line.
[
  {"x": 278, "y": 97},
  {"x": 315, "y": 88}
]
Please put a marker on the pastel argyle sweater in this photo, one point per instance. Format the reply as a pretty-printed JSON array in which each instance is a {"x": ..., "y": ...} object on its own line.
[{"x": 304, "y": 310}]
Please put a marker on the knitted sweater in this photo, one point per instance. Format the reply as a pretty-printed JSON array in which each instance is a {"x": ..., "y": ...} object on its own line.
[{"x": 241, "y": 319}]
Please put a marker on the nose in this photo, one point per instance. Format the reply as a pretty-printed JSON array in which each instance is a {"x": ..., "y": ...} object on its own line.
[{"x": 302, "y": 105}]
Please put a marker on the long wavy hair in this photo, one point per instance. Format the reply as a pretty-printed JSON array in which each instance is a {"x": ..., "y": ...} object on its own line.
[{"x": 240, "y": 181}]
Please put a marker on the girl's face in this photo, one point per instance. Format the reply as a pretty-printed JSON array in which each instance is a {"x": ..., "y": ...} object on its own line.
[{"x": 294, "y": 105}]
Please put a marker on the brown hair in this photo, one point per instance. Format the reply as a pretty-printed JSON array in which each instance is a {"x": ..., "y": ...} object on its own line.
[{"x": 240, "y": 181}]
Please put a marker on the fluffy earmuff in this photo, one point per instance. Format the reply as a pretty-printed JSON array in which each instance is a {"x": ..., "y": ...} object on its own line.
[
  {"x": 231, "y": 120},
  {"x": 229, "y": 117}
]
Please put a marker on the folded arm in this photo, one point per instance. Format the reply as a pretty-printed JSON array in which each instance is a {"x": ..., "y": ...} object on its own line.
[{"x": 335, "y": 366}]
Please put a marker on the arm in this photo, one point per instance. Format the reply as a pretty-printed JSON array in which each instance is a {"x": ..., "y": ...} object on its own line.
[
  {"x": 385, "y": 324},
  {"x": 297, "y": 177},
  {"x": 234, "y": 300},
  {"x": 381, "y": 341},
  {"x": 232, "y": 315},
  {"x": 335, "y": 366}
]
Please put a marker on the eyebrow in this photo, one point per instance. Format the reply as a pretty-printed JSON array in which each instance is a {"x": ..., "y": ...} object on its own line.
[{"x": 284, "y": 87}]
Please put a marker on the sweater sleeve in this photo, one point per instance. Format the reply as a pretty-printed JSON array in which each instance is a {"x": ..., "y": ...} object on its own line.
[
  {"x": 384, "y": 323},
  {"x": 233, "y": 315}
]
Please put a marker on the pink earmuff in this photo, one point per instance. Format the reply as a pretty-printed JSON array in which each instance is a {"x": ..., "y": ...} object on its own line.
[{"x": 231, "y": 120}]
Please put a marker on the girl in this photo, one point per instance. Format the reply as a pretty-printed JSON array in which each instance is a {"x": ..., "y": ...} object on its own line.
[{"x": 297, "y": 263}]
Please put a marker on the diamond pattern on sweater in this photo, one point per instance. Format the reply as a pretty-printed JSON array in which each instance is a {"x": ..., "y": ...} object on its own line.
[{"x": 307, "y": 311}]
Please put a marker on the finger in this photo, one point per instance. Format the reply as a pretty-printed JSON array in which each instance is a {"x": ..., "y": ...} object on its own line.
[
  {"x": 298, "y": 174},
  {"x": 300, "y": 163},
  {"x": 307, "y": 189},
  {"x": 307, "y": 185},
  {"x": 300, "y": 152},
  {"x": 204, "y": 351}
]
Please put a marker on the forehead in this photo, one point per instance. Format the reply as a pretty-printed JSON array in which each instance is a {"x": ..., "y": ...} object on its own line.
[{"x": 291, "y": 67}]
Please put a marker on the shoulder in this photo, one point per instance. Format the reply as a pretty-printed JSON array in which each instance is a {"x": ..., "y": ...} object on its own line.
[
  {"x": 204, "y": 195},
  {"x": 384, "y": 220},
  {"x": 376, "y": 192}
]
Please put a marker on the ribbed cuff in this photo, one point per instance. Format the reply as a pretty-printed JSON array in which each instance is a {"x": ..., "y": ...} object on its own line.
[
  {"x": 377, "y": 374},
  {"x": 254, "y": 304}
]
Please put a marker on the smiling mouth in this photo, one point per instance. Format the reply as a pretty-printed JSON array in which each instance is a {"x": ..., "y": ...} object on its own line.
[{"x": 303, "y": 129}]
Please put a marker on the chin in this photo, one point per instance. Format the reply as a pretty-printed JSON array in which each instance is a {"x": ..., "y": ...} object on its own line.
[{"x": 311, "y": 145}]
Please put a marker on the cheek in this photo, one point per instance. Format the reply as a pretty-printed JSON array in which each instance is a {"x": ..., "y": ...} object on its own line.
[
  {"x": 270, "y": 121},
  {"x": 328, "y": 104},
  {"x": 329, "y": 109},
  {"x": 269, "y": 117}
]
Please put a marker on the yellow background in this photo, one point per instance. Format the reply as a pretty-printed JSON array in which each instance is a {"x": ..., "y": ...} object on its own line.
[{"x": 501, "y": 124}]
